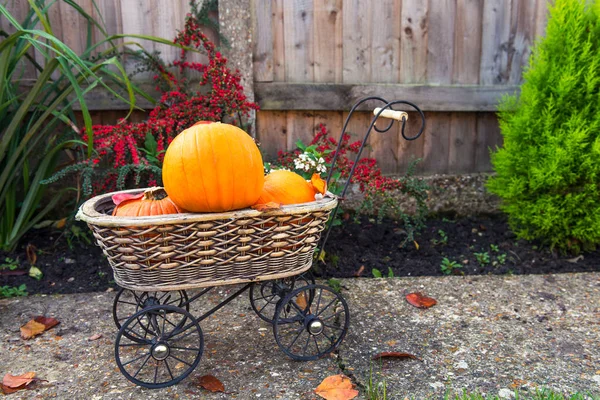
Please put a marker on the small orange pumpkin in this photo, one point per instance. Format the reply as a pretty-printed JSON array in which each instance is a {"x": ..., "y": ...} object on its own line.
[
  {"x": 287, "y": 187},
  {"x": 213, "y": 167},
  {"x": 154, "y": 201}
]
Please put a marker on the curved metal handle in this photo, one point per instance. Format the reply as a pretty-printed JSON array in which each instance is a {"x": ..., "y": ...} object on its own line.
[{"x": 386, "y": 112}]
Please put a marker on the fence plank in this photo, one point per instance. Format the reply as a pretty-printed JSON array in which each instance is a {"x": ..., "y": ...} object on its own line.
[
  {"x": 357, "y": 17},
  {"x": 357, "y": 128},
  {"x": 109, "y": 13},
  {"x": 385, "y": 34},
  {"x": 463, "y": 140},
  {"x": 332, "y": 120},
  {"x": 440, "y": 40},
  {"x": 523, "y": 32},
  {"x": 436, "y": 143},
  {"x": 384, "y": 146},
  {"x": 495, "y": 42},
  {"x": 328, "y": 41},
  {"x": 271, "y": 129},
  {"x": 541, "y": 18},
  {"x": 138, "y": 22},
  {"x": 299, "y": 127},
  {"x": 298, "y": 39},
  {"x": 467, "y": 41},
  {"x": 278, "y": 42},
  {"x": 19, "y": 9},
  {"x": 263, "y": 40},
  {"x": 301, "y": 96},
  {"x": 488, "y": 138},
  {"x": 413, "y": 45},
  {"x": 410, "y": 150}
]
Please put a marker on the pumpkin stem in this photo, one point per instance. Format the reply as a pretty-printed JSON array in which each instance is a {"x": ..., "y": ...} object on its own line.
[{"x": 155, "y": 193}]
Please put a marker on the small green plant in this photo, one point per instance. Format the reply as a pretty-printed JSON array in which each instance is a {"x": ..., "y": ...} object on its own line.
[
  {"x": 376, "y": 387},
  {"x": 501, "y": 258},
  {"x": 376, "y": 273},
  {"x": 443, "y": 238},
  {"x": 483, "y": 258},
  {"x": 335, "y": 284},
  {"x": 494, "y": 248},
  {"x": 449, "y": 266},
  {"x": 9, "y": 264},
  {"x": 12, "y": 291},
  {"x": 75, "y": 234},
  {"x": 101, "y": 274}
]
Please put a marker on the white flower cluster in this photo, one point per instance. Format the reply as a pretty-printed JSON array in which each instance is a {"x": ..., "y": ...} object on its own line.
[{"x": 305, "y": 163}]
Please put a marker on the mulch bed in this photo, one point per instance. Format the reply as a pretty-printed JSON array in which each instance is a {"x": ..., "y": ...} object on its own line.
[{"x": 353, "y": 249}]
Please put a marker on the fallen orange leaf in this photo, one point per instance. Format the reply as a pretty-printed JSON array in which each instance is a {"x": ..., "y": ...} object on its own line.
[
  {"x": 31, "y": 329},
  {"x": 394, "y": 354},
  {"x": 48, "y": 322},
  {"x": 267, "y": 206},
  {"x": 301, "y": 301},
  {"x": 419, "y": 300},
  {"x": 336, "y": 387},
  {"x": 211, "y": 383},
  {"x": 14, "y": 383},
  {"x": 37, "y": 326}
]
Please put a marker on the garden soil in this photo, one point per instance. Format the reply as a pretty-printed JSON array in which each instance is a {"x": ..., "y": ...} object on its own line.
[{"x": 482, "y": 245}]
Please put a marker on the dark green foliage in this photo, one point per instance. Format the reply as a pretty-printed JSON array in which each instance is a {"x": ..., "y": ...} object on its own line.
[{"x": 548, "y": 171}]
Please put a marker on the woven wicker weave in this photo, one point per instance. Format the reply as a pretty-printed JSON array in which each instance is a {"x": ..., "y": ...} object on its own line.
[{"x": 185, "y": 251}]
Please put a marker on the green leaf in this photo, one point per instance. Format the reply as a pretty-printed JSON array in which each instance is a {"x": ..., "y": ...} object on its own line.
[
  {"x": 376, "y": 273},
  {"x": 150, "y": 144},
  {"x": 35, "y": 273}
]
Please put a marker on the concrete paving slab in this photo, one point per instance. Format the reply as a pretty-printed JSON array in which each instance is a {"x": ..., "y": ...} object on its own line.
[{"x": 491, "y": 334}]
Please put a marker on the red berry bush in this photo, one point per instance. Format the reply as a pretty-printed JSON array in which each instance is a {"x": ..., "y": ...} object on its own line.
[
  {"x": 381, "y": 193},
  {"x": 130, "y": 154}
]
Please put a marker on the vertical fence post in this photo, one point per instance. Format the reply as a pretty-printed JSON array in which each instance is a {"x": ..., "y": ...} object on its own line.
[{"x": 235, "y": 23}]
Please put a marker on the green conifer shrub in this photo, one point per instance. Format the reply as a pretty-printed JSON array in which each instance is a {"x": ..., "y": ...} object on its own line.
[{"x": 548, "y": 170}]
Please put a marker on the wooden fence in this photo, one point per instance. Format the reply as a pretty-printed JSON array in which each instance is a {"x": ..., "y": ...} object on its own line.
[{"x": 311, "y": 59}]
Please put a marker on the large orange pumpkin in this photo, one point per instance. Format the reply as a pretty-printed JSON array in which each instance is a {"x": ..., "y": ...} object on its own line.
[
  {"x": 287, "y": 187},
  {"x": 153, "y": 201},
  {"x": 213, "y": 167}
]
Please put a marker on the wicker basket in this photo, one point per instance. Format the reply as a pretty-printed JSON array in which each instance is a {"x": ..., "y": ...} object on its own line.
[{"x": 185, "y": 251}]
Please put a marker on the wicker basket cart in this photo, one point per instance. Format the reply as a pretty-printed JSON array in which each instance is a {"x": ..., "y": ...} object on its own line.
[{"x": 157, "y": 260}]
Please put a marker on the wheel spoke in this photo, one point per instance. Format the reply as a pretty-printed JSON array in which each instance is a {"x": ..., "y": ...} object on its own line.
[
  {"x": 127, "y": 302},
  {"x": 156, "y": 372},
  {"x": 317, "y": 344},
  {"x": 163, "y": 296},
  {"x": 133, "y": 344},
  {"x": 185, "y": 348},
  {"x": 135, "y": 359},
  {"x": 162, "y": 329},
  {"x": 143, "y": 364},
  {"x": 180, "y": 360},
  {"x": 333, "y": 315},
  {"x": 327, "y": 306},
  {"x": 297, "y": 337},
  {"x": 169, "y": 369},
  {"x": 318, "y": 302},
  {"x": 338, "y": 328},
  {"x": 306, "y": 345}
]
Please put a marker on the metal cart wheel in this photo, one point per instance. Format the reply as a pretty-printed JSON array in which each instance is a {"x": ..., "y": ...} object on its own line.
[
  {"x": 307, "y": 330},
  {"x": 128, "y": 302},
  {"x": 264, "y": 296},
  {"x": 162, "y": 353}
]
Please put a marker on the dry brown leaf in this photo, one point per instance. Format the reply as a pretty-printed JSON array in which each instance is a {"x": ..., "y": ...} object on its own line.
[
  {"x": 267, "y": 206},
  {"x": 336, "y": 387},
  {"x": 48, "y": 322},
  {"x": 31, "y": 254},
  {"x": 301, "y": 300},
  {"x": 394, "y": 354},
  {"x": 14, "y": 383},
  {"x": 419, "y": 300},
  {"x": 16, "y": 272},
  {"x": 31, "y": 329},
  {"x": 360, "y": 271},
  {"x": 211, "y": 383},
  {"x": 60, "y": 223},
  {"x": 95, "y": 337},
  {"x": 37, "y": 326}
]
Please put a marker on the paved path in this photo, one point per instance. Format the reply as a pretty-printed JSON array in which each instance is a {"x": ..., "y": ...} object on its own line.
[{"x": 492, "y": 334}]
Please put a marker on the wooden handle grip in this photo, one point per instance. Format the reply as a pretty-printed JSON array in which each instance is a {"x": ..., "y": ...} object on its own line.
[{"x": 397, "y": 115}]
